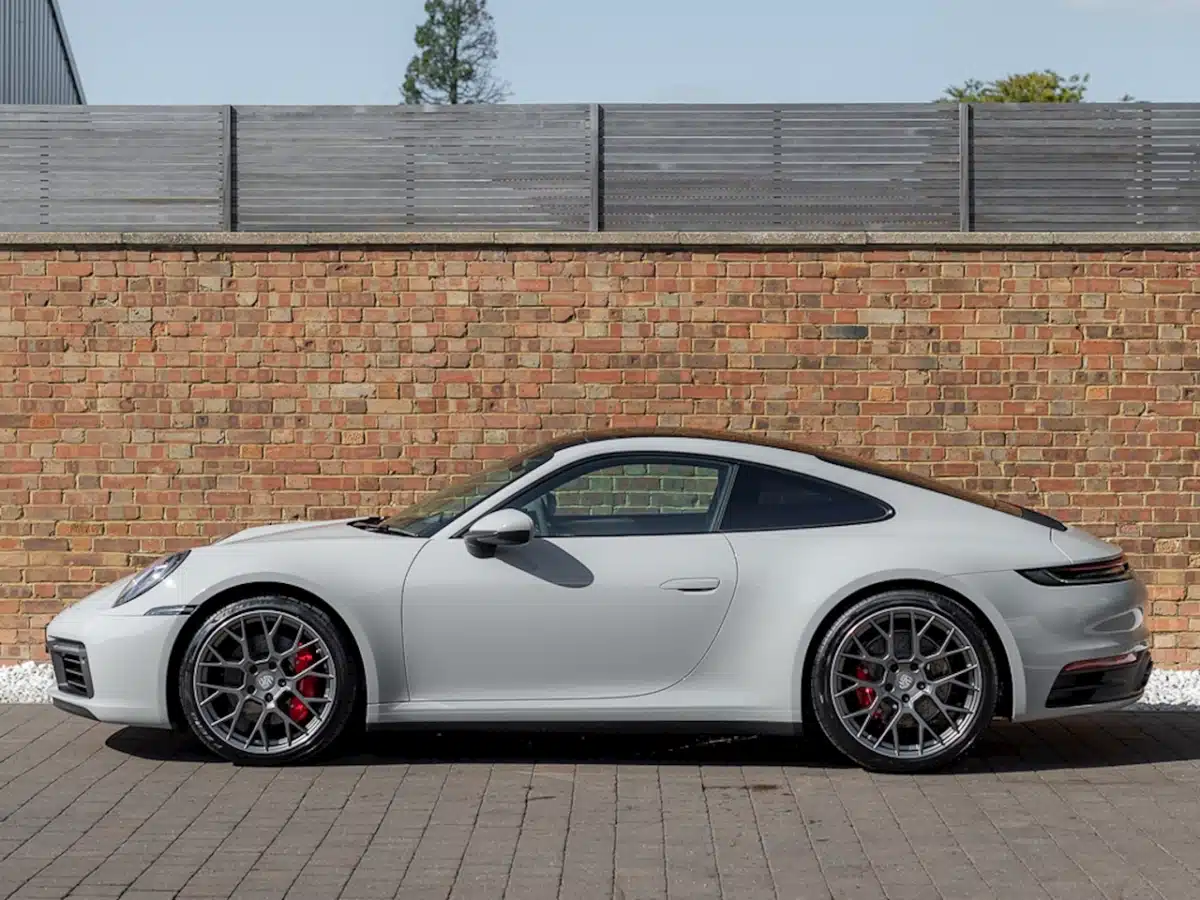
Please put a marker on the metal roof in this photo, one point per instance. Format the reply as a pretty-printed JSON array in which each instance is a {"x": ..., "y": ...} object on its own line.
[
  {"x": 61, "y": 27},
  {"x": 37, "y": 65}
]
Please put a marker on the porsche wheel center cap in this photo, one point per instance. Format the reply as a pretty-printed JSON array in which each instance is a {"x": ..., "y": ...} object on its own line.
[
  {"x": 265, "y": 681},
  {"x": 904, "y": 682}
]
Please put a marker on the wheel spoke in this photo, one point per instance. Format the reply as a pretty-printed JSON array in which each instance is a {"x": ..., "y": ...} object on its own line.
[
  {"x": 889, "y": 728},
  {"x": 946, "y": 708},
  {"x": 240, "y": 639},
  {"x": 220, "y": 665},
  {"x": 962, "y": 684},
  {"x": 303, "y": 672},
  {"x": 866, "y": 654},
  {"x": 867, "y": 721},
  {"x": 234, "y": 716},
  {"x": 926, "y": 626},
  {"x": 262, "y": 714},
  {"x": 298, "y": 647},
  {"x": 306, "y": 701},
  {"x": 288, "y": 726},
  {"x": 844, "y": 691},
  {"x": 941, "y": 651},
  {"x": 226, "y": 718},
  {"x": 869, "y": 682},
  {"x": 948, "y": 679},
  {"x": 223, "y": 688},
  {"x": 922, "y": 727},
  {"x": 221, "y": 660},
  {"x": 949, "y": 654},
  {"x": 887, "y": 639}
]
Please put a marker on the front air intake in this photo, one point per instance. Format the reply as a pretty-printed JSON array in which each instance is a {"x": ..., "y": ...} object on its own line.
[{"x": 71, "y": 670}]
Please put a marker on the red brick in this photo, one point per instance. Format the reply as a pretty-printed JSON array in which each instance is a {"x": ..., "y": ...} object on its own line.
[{"x": 321, "y": 382}]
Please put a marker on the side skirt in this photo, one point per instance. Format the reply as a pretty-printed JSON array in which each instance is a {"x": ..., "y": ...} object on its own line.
[{"x": 781, "y": 729}]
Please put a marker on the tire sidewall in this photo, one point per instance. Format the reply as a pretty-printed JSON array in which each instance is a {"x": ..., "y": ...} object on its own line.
[
  {"x": 334, "y": 726},
  {"x": 823, "y": 706}
]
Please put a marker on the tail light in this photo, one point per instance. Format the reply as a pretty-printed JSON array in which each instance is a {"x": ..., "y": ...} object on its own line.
[{"x": 1103, "y": 571}]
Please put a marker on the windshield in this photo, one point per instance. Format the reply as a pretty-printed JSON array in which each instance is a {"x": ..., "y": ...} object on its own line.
[{"x": 427, "y": 517}]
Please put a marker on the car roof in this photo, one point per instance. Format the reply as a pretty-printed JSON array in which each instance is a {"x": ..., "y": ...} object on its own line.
[
  {"x": 617, "y": 434},
  {"x": 825, "y": 454}
]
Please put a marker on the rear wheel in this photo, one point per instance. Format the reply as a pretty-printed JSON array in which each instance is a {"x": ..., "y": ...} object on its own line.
[
  {"x": 904, "y": 681},
  {"x": 267, "y": 680}
]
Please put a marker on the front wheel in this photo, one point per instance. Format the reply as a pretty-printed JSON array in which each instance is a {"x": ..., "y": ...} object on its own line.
[
  {"x": 904, "y": 682},
  {"x": 267, "y": 680}
]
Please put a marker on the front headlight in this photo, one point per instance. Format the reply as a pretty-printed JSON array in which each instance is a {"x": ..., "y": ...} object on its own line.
[{"x": 149, "y": 577}]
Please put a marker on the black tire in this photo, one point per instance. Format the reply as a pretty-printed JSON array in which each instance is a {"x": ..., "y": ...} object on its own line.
[
  {"x": 826, "y": 710},
  {"x": 337, "y": 719}
]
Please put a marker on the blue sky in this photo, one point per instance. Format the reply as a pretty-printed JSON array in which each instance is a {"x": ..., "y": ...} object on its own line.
[{"x": 555, "y": 51}]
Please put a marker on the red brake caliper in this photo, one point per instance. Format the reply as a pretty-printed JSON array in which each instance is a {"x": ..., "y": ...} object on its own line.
[
  {"x": 864, "y": 695},
  {"x": 307, "y": 686}
]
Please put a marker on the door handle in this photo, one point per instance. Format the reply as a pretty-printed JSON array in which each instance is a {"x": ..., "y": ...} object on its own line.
[{"x": 691, "y": 585}]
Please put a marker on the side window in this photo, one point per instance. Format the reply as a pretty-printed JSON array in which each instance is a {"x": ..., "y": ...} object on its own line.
[
  {"x": 767, "y": 499},
  {"x": 643, "y": 496}
]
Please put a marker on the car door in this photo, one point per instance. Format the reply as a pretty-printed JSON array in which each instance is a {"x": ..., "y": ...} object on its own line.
[{"x": 619, "y": 593}]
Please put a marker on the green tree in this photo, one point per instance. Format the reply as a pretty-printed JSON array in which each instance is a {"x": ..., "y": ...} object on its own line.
[
  {"x": 1032, "y": 87},
  {"x": 456, "y": 47}
]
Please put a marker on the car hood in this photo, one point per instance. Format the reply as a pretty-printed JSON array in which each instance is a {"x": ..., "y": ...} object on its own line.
[{"x": 297, "y": 531}]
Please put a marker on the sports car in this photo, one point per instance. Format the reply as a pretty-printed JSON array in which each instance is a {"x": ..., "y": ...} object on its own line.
[{"x": 672, "y": 579}]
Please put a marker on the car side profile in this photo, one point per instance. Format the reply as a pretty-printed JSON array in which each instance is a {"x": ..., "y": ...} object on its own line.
[{"x": 664, "y": 578}]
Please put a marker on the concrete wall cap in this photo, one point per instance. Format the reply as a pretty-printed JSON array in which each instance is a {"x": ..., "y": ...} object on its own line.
[{"x": 608, "y": 239}]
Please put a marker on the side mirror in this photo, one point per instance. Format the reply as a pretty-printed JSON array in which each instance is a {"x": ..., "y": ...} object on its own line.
[{"x": 502, "y": 528}]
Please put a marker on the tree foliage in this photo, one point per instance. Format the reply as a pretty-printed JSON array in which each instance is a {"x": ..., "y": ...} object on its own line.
[
  {"x": 1032, "y": 87},
  {"x": 456, "y": 47}
]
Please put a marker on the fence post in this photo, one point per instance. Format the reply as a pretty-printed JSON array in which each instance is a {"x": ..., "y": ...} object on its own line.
[
  {"x": 228, "y": 127},
  {"x": 596, "y": 217},
  {"x": 966, "y": 161}
]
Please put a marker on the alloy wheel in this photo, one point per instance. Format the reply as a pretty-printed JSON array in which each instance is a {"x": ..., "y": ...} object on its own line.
[
  {"x": 264, "y": 682},
  {"x": 906, "y": 682}
]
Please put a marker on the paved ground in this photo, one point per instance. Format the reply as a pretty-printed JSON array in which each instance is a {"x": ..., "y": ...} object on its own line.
[{"x": 1098, "y": 807}]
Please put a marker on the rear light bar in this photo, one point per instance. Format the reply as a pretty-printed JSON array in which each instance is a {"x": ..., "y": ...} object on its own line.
[{"x": 1104, "y": 571}]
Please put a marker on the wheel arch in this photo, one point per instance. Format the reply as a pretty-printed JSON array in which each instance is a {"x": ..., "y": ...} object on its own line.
[
  {"x": 1011, "y": 687},
  {"x": 224, "y": 597}
]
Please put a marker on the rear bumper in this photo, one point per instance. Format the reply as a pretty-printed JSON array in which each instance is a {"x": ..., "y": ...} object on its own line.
[{"x": 1052, "y": 628}]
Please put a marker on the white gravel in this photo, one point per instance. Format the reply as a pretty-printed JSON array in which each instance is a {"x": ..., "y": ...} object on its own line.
[
  {"x": 31, "y": 682},
  {"x": 28, "y": 682}
]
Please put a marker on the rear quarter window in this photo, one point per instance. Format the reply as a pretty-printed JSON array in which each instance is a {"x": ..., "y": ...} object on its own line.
[{"x": 765, "y": 499}]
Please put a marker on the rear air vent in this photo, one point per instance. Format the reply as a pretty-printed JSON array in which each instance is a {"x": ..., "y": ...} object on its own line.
[{"x": 1104, "y": 571}]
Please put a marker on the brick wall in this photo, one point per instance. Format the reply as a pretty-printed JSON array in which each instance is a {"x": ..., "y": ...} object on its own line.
[{"x": 151, "y": 399}]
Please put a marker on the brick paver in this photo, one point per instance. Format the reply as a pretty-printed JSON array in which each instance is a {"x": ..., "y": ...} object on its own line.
[{"x": 1097, "y": 807}]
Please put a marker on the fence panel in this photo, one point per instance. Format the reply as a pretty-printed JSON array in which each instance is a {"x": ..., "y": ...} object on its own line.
[
  {"x": 1090, "y": 167},
  {"x": 410, "y": 168},
  {"x": 750, "y": 167},
  {"x": 85, "y": 168},
  {"x": 1080, "y": 167}
]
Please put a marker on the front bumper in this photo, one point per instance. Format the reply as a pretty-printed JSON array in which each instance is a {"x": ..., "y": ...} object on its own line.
[
  {"x": 112, "y": 668},
  {"x": 1054, "y": 627}
]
